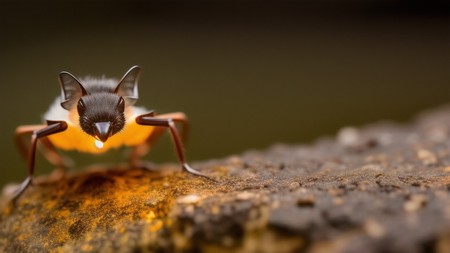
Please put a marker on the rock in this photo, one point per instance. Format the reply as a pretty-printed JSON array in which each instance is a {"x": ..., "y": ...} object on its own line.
[{"x": 343, "y": 195}]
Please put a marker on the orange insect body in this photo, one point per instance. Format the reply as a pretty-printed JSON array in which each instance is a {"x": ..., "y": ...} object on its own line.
[{"x": 74, "y": 138}]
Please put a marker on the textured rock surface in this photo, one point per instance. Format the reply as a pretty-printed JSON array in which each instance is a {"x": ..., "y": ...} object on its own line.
[{"x": 383, "y": 188}]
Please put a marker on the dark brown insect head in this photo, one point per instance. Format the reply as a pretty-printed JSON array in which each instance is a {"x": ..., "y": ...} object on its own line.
[{"x": 101, "y": 114}]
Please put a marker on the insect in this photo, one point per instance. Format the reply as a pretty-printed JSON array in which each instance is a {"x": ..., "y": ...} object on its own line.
[{"x": 93, "y": 115}]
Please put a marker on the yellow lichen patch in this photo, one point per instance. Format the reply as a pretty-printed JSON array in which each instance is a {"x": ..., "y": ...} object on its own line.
[
  {"x": 87, "y": 247},
  {"x": 64, "y": 214},
  {"x": 169, "y": 222},
  {"x": 22, "y": 237},
  {"x": 50, "y": 204},
  {"x": 86, "y": 211},
  {"x": 148, "y": 216},
  {"x": 156, "y": 225}
]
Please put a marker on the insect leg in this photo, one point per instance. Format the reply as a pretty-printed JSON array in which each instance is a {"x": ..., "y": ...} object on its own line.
[
  {"x": 178, "y": 117},
  {"x": 151, "y": 120},
  {"x": 18, "y": 138},
  {"x": 49, "y": 152},
  {"x": 143, "y": 149},
  {"x": 52, "y": 128}
]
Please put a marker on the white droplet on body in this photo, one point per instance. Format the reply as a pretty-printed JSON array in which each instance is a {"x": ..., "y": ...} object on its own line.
[{"x": 98, "y": 144}]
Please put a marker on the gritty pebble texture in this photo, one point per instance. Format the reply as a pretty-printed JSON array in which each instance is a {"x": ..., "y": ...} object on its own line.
[{"x": 381, "y": 188}]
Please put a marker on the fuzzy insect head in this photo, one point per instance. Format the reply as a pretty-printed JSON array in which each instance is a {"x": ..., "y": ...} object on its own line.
[{"x": 100, "y": 103}]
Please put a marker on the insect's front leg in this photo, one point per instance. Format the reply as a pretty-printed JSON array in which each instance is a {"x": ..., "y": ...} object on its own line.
[
  {"x": 142, "y": 149},
  {"x": 59, "y": 161},
  {"x": 151, "y": 120},
  {"x": 52, "y": 128},
  {"x": 22, "y": 145}
]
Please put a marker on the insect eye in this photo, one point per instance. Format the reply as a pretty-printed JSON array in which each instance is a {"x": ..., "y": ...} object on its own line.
[
  {"x": 81, "y": 107},
  {"x": 121, "y": 105}
]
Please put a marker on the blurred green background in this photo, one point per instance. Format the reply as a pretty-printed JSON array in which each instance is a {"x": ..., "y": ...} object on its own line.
[{"x": 247, "y": 73}]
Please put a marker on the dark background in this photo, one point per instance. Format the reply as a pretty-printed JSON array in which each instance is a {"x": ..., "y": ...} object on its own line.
[{"x": 247, "y": 73}]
